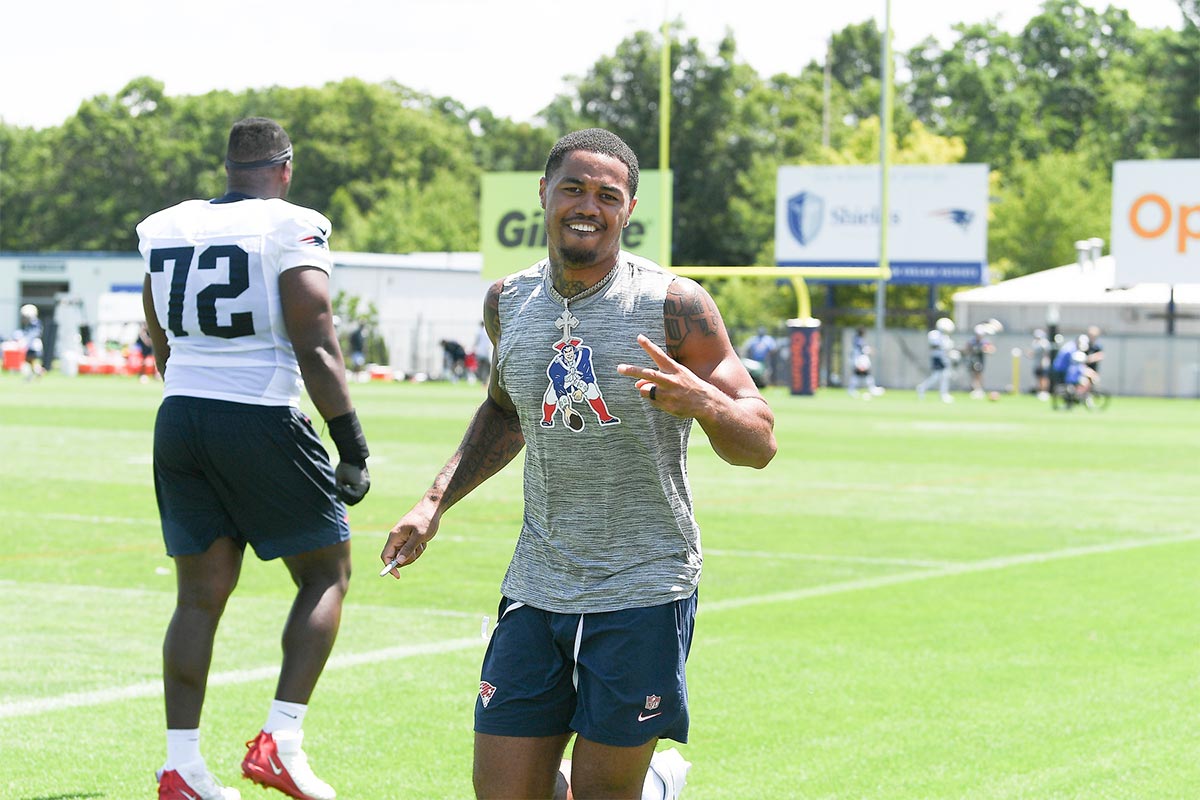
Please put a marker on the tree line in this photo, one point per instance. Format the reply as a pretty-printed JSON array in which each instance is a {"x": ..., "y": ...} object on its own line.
[{"x": 1049, "y": 109}]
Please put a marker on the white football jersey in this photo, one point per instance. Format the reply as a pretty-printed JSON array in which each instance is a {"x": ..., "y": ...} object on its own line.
[
  {"x": 214, "y": 272},
  {"x": 939, "y": 343}
]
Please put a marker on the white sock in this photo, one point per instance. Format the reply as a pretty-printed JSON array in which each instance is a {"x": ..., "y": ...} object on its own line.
[
  {"x": 183, "y": 747},
  {"x": 666, "y": 777},
  {"x": 654, "y": 788},
  {"x": 285, "y": 716}
]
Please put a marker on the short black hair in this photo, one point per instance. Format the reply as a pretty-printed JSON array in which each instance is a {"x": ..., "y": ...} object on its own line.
[
  {"x": 256, "y": 139},
  {"x": 595, "y": 140}
]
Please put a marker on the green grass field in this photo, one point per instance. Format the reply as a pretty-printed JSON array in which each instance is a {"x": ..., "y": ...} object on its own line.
[{"x": 914, "y": 600}]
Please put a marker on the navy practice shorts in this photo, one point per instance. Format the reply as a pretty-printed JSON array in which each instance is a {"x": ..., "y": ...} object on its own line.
[
  {"x": 616, "y": 678},
  {"x": 256, "y": 474}
]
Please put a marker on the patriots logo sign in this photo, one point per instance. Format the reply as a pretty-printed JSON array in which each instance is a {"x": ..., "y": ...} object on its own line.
[
  {"x": 805, "y": 213},
  {"x": 572, "y": 381},
  {"x": 959, "y": 216}
]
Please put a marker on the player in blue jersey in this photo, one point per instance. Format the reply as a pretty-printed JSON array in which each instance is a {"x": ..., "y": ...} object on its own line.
[
  {"x": 599, "y": 600},
  {"x": 236, "y": 296}
]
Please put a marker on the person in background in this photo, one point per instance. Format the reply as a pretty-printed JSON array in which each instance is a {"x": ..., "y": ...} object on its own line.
[
  {"x": 482, "y": 349},
  {"x": 979, "y": 346},
  {"x": 941, "y": 347},
  {"x": 1095, "y": 350},
  {"x": 1066, "y": 355},
  {"x": 598, "y": 604},
  {"x": 236, "y": 297},
  {"x": 1039, "y": 353},
  {"x": 454, "y": 360},
  {"x": 357, "y": 341},
  {"x": 1079, "y": 376},
  {"x": 861, "y": 378},
  {"x": 29, "y": 336},
  {"x": 143, "y": 347},
  {"x": 762, "y": 347}
]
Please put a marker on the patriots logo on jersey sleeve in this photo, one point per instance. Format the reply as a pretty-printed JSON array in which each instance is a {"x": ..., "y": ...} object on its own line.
[
  {"x": 572, "y": 381},
  {"x": 314, "y": 240}
]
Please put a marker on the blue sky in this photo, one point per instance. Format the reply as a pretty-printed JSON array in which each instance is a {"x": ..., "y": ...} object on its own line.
[{"x": 510, "y": 56}]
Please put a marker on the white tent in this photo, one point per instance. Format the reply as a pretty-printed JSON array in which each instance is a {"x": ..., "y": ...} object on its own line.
[
  {"x": 1081, "y": 295},
  {"x": 1140, "y": 358}
]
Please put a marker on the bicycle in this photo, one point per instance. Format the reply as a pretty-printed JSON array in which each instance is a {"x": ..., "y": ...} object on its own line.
[{"x": 1093, "y": 398}]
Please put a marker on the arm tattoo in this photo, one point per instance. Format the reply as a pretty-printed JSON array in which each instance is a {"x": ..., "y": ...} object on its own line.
[
  {"x": 688, "y": 310},
  {"x": 492, "y": 440}
]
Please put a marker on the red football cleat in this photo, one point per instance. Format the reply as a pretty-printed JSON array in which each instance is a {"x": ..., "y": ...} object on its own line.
[
  {"x": 277, "y": 761},
  {"x": 193, "y": 782}
]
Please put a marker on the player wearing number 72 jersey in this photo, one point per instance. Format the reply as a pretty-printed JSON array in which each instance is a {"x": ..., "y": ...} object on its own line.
[{"x": 236, "y": 296}]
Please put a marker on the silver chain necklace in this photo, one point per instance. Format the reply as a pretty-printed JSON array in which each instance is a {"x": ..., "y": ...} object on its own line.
[{"x": 596, "y": 288}]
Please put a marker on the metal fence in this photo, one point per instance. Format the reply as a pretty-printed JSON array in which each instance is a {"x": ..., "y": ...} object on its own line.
[{"x": 1133, "y": 365}]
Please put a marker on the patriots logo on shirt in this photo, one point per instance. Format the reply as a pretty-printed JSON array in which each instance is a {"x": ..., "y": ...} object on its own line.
[
  {"x": 314, "y": 240},
  {"x": 572, "y": 381}
]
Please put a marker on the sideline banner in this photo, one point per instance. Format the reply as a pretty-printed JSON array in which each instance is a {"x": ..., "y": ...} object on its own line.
[
  {"x": 829, "y": 216},
  {"x": 1156, "y": 221},
  {"x": 512, "y": 225}
]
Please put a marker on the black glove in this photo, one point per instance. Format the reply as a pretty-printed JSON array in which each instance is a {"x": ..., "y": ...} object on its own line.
[
  {"x": 353, "y": 482},
  {"x": 351, "y": 474}
]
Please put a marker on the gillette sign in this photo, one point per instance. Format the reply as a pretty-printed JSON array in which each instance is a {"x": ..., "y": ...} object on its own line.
[
  {"x": 937, "y": 227},
  {"x": 1156, "y": 221},
  {"x": 512, "y": 224}
]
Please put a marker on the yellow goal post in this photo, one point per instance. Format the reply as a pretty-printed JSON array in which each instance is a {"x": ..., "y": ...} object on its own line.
[{"x": 795, "y": 274}]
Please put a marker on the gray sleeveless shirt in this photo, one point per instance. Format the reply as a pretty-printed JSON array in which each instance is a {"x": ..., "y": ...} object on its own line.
[{"x": 608, "y": 520}]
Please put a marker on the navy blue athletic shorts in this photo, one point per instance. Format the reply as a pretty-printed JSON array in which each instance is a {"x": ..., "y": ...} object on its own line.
[
  {"x": 256, "y": 474},
  {"x": 616, "y": 678}
]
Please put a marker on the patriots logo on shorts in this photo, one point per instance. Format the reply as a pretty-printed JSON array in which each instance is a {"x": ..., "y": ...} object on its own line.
[{"x": 486, "y": 690}]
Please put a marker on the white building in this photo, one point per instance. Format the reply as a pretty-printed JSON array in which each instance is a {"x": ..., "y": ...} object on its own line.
[{"x": 421, "y": 298}]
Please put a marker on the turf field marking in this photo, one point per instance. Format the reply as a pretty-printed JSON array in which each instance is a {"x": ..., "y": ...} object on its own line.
[
  {"x": 949, "y": 571},
  {"x": 154, "y": 688},
  {"x": 23, "y": 708},
  {"x": 88, "y": 518},
  {"x": 167, "y": 592},
  {"x": 902, "y": 562}
]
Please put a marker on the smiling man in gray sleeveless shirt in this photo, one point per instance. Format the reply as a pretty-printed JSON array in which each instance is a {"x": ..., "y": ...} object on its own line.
[{"x": 602, "y": 361}]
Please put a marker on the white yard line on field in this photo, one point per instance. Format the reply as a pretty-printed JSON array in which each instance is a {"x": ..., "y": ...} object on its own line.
[
  {"x": 899, "y": 562},
  {"x": 23, "y": 708},
  {"x": 951, "y": 570},
  {"x": 94, "y": 519},
  {"x": 54, "y": 589},
  {"x": 153, "y": 689}
]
